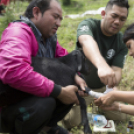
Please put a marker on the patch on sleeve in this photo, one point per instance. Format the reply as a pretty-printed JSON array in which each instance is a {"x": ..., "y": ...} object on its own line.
[{"x": 84, "y": 28}]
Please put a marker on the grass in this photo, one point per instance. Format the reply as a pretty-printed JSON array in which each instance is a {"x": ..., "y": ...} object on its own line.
[{"x": 67, "y": 38}]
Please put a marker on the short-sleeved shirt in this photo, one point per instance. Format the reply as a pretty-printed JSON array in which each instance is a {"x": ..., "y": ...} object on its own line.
[{"x": 111, "y": 48}]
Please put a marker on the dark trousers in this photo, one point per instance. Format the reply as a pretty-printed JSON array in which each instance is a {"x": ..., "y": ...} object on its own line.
[{"x": 32, "y": 114}]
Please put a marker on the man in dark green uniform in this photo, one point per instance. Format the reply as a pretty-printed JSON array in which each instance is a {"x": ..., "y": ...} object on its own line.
[
  {"x": 102, "y": 44},
  {"x": 106, "y": 53}
]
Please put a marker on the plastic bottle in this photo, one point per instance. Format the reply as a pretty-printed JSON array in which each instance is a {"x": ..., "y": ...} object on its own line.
[
  {"x": 130, "y": 127},
  {"x": 97, "y": 120}
]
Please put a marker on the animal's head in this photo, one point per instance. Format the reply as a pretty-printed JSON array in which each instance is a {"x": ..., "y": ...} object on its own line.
[
  {"x": 83, "y": 66},
  {"x": 76, "y": 60}
]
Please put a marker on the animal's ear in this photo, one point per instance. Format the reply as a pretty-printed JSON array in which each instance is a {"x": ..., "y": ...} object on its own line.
[{"x": 79, "y": 59}]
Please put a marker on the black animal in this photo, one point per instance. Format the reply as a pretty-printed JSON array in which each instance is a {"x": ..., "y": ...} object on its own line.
[{"x": 62, "y": 71}]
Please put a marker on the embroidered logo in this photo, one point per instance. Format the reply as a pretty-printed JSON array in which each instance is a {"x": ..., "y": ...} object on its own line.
[
  {"x": 84, "y": 28},
  {"x": 110, "y": 53}
]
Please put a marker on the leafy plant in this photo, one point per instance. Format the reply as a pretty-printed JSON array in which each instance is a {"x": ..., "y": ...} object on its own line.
[{"x": 12, "y": 12}]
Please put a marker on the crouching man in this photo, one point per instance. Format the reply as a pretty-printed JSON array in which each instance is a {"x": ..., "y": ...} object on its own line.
[
  {"x": 103, "y": 46},
  {"x": 50, "y": 102}
]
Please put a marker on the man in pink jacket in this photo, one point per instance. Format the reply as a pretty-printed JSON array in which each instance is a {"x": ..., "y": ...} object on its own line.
[
  {"x": 50, "y": 102},
  {"x": 2, "y": 4}
]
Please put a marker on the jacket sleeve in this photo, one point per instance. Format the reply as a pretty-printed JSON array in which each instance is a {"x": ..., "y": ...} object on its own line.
[
  {"x": 16, "y": 48},
  {"x": 60, "y": 51}
]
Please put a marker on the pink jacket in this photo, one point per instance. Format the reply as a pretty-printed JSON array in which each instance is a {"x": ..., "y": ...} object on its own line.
[{"x": 17, "y": 45}]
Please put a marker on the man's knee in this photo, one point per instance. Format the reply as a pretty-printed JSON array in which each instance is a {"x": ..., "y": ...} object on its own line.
[
  {"x": 73, "y": 118},
  {"x": 31, "y": 121},
  {"x": 48, "y": 104},
  {"x": 32, "y": 113},
  {"x": 114, "y": 115}
]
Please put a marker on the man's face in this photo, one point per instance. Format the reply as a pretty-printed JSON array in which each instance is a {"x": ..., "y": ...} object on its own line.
[
  {"x": 49, "y": 22},
  {"x": 130, "y": 46},
  {"x": 113, "y": 20}
]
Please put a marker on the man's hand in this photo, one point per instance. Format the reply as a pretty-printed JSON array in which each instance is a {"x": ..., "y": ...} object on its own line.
[
  {"x": 107, "y": 76},
  {"x": 106, "y": 99},
  {"x": 68, "y": 95},
  {"x": 80, "y": 82},
  {"x": 113, "y": 107}
]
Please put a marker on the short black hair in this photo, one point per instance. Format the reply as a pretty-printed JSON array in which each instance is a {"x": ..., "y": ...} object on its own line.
[
  {"x": 43, "y": 5},
  {"x": 129, "y": 33},
  {"x": 120, "y": 3}
]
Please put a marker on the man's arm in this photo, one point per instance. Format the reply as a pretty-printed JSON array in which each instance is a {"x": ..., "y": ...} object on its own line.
[
  {"x": 91, "y": 51},
  {"x": 16, "y": 69},
  {"x": 108, "y": 101},
  {"x": 111, "y": 97},
  {"x": 129, "y": 109},
  {"x": 60, "y": 51}
]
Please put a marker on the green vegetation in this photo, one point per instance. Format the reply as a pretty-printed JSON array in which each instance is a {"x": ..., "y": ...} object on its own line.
[{"x": 67, "y": 37}]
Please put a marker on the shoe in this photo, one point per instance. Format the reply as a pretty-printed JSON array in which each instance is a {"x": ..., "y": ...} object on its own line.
[{"x": 58, "y": 130}]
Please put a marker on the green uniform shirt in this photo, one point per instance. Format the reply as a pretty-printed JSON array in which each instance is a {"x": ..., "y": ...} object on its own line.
[{"x": 111, "y": 48}]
